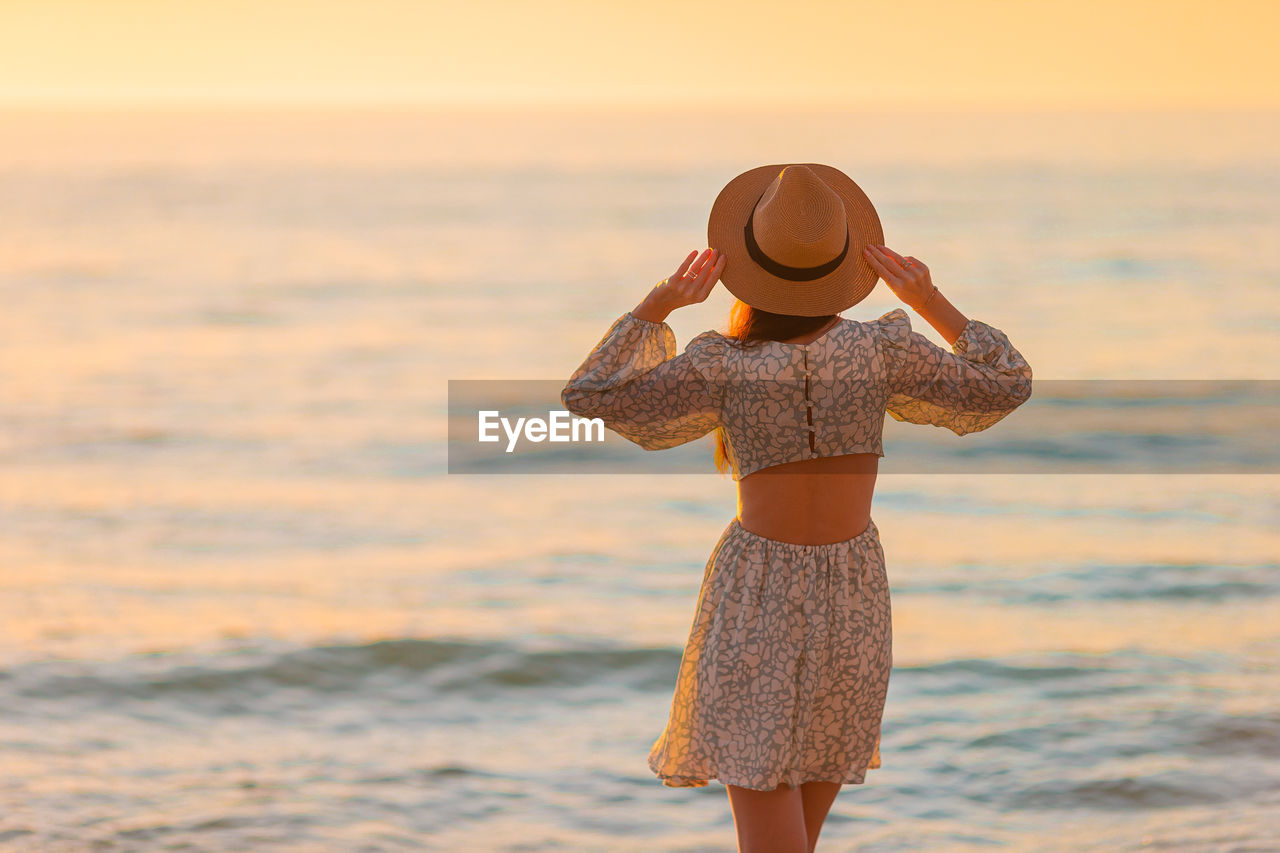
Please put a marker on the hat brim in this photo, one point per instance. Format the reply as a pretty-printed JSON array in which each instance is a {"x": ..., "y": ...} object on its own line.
[{"x": 839, "y": 289}]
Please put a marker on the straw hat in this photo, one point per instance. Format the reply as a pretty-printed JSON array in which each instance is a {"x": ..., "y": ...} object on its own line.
[{"x": 792, "y": 235}]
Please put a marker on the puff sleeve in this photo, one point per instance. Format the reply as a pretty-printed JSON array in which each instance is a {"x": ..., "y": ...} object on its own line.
[
  {"x": 966, "y": 390},
  {"x": 635, "y": 382}
]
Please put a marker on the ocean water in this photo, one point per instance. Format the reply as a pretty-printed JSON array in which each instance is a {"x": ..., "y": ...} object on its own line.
[{"x": 243, "y": 605}]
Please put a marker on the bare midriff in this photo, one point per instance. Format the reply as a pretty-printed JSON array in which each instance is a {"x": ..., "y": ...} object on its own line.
[{"x": 810, "y": 502}]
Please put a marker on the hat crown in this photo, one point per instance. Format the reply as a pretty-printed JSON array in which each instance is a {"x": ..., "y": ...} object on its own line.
[
  {"x": 800, "y": 220},
  {"x": 793, "y": 234}
]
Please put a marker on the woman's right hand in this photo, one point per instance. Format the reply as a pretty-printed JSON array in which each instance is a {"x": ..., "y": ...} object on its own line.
[
  {"x": 907, "y": 277},
  {"x": 687, "y": 286}
]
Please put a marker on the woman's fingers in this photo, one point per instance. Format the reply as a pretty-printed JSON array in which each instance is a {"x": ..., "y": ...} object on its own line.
[
  {"x": 898, "y": 259},
  {"x": 680, "y": 271},
  {"x": 912, "y": 269},
  {"x": 885, "y": 260},
  {"x": 709, "y": 262},
  {"x": 880, "y": 263},
  {"x": 694, "y": 278},
  {"x": 709, "y": 266},
  {"x": 705, "y": 286},
  {"x": 910, "y": 283},
  {"x": 703, "y": 265},
  {"x": 692, "y": 265},
  {"x": 704, "y": 260}
]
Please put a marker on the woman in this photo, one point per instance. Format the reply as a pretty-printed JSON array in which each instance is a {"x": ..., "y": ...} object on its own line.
[{"x": 782, "y": 685}]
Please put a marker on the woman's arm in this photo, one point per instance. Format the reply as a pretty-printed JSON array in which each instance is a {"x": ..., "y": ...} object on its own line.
[
  {"x": 909, "y": 279},
  {"x": 635, "y": 382},
  {"x": 678, "y": 291},
  {"x": 944, "y": 317},
  {"x": 968, "y": 389}
]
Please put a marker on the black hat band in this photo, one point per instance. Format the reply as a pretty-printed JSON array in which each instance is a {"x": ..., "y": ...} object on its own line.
[{"x": 782, "y": 270}]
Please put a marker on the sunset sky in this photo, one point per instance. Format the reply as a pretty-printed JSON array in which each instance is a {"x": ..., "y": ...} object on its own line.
[{"x": 1050, "y": 53}]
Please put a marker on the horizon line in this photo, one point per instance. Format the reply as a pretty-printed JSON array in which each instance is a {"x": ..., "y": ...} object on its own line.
[{"x": 611, "y": 105}]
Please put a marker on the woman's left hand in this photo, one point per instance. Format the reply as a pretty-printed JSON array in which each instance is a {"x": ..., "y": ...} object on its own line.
[{"x": 688, "y": 285}]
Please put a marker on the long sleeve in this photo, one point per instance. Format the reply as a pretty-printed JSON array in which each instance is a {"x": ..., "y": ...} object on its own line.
[
  {"x": 981, "y": 381},
  {"x": 635, "y": 382}
]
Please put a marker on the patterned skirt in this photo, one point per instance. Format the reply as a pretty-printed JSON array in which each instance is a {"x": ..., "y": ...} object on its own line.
[{"x": 786, "y": 669}]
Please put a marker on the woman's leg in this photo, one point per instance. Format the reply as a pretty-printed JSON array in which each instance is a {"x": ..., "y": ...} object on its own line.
[
  {"x": 769, "y": 821},
  {"x": 817, "y": 798}
]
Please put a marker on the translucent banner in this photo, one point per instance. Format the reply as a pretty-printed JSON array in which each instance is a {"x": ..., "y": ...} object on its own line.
[{"x": 1215, "y": 426}]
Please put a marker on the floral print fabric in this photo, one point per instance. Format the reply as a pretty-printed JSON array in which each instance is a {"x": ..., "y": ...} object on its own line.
[
  {"x": 780, "y": 402},
  {"x": 786, "y": 669}
]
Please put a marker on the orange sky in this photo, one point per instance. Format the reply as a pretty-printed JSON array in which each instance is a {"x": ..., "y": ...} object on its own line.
[{"x": 1051, "y": 53}]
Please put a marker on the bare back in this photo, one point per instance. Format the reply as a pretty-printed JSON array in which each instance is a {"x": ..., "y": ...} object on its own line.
[
  {"x": 813, "y": 501},
  {"x": 810, "y": 502}
]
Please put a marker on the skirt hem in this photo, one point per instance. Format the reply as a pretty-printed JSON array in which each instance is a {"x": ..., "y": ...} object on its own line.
[{"x": 792, "y": 780}]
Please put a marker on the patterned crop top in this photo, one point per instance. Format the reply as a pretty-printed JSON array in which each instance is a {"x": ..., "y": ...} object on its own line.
[{"x": 783, "y": 402}]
